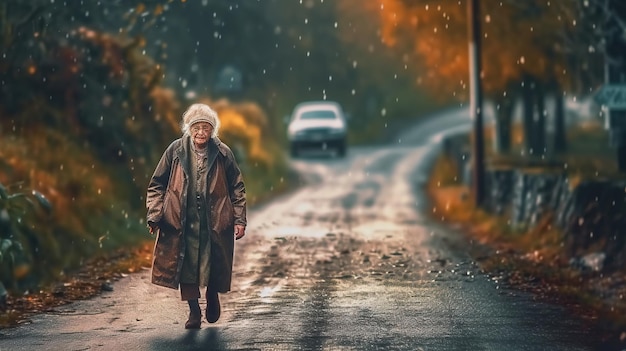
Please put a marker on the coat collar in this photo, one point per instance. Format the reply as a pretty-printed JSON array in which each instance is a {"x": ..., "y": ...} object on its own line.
[{"x": 183, "y": 152}]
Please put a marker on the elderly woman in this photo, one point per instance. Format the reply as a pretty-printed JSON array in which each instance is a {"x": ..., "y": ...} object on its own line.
[{"x": 196, "y": 203}]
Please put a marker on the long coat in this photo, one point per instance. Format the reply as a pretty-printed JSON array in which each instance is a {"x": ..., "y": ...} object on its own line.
[{"x": 166, "y": 202}]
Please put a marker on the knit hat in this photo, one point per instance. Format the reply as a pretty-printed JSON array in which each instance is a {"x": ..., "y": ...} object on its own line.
[{"x": 200, "y": 113}]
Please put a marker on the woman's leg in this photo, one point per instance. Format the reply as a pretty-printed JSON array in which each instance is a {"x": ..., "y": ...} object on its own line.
[
  {"x": 191, "y": 294},
  {"x": 213, "y": 309}
]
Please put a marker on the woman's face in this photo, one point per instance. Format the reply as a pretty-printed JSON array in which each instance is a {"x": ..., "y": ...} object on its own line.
[{"x": 201, "y": 133}]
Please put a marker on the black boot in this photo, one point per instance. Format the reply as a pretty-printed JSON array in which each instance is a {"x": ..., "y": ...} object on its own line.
[
  {"x": 195, "y": 316},
  {"x": 213, "y": 309}
]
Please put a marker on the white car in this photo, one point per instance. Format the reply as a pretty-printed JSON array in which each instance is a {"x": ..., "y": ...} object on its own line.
[{"x": 317, "y": 124}]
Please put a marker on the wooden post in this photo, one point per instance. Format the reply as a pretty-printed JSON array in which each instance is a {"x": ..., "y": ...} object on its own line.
[{"x": 615, "y": 77}]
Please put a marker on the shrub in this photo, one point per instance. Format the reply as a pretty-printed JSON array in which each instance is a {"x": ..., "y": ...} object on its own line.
[{"x": 18, "y": 237}]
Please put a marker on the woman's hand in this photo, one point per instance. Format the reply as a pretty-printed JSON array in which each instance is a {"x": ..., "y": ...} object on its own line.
[
  {"x": 153, "y": 228},
  {"x": 240, "y": 231}
]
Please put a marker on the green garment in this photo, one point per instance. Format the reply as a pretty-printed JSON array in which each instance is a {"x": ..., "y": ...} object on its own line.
[{"x": 197, "y": 263}]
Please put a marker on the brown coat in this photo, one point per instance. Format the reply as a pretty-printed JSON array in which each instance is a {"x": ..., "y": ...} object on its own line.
[{"x": 166, "y": 202}]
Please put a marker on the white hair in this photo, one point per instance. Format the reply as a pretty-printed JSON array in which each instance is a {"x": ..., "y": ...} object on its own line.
[{"x": 200, "y": 113}]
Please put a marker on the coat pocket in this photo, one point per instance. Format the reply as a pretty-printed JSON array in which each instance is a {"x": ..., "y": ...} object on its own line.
[
  {"x": 170, "y": 216},
  {"x": 165, "y": 259}
]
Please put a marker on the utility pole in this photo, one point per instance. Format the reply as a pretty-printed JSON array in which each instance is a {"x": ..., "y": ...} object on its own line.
[{"x": 476, "y": 102}]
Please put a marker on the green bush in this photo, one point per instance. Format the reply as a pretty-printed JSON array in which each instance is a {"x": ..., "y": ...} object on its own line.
[{"x": 18, "y": 239}]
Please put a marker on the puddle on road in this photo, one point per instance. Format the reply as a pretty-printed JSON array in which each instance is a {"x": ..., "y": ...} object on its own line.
[
  {"x": 292, "y": 231},
  {"x": 268, "y": 292}
]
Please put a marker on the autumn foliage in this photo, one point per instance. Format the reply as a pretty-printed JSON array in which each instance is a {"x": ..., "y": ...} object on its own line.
[{"x": 519, "y": 39}]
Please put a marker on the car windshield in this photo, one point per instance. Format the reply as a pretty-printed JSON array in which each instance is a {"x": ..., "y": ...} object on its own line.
[{"x": 328, "y": 114}]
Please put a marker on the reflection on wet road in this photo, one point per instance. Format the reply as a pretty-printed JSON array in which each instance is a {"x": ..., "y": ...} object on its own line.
[{"x": 348, "y": 262}]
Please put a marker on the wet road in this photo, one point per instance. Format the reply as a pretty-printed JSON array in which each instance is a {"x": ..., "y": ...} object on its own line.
[{"x": 348, "y": 262}]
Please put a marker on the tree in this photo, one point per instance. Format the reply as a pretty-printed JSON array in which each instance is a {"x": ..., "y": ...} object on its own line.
[{"x": 523, "y": 50}]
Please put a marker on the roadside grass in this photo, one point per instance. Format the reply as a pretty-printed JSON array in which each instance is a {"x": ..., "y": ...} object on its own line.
[{"x": 534, "y": 259}]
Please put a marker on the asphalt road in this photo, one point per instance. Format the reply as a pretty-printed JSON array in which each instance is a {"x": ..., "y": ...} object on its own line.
[{"x": 350, "y": 261}]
